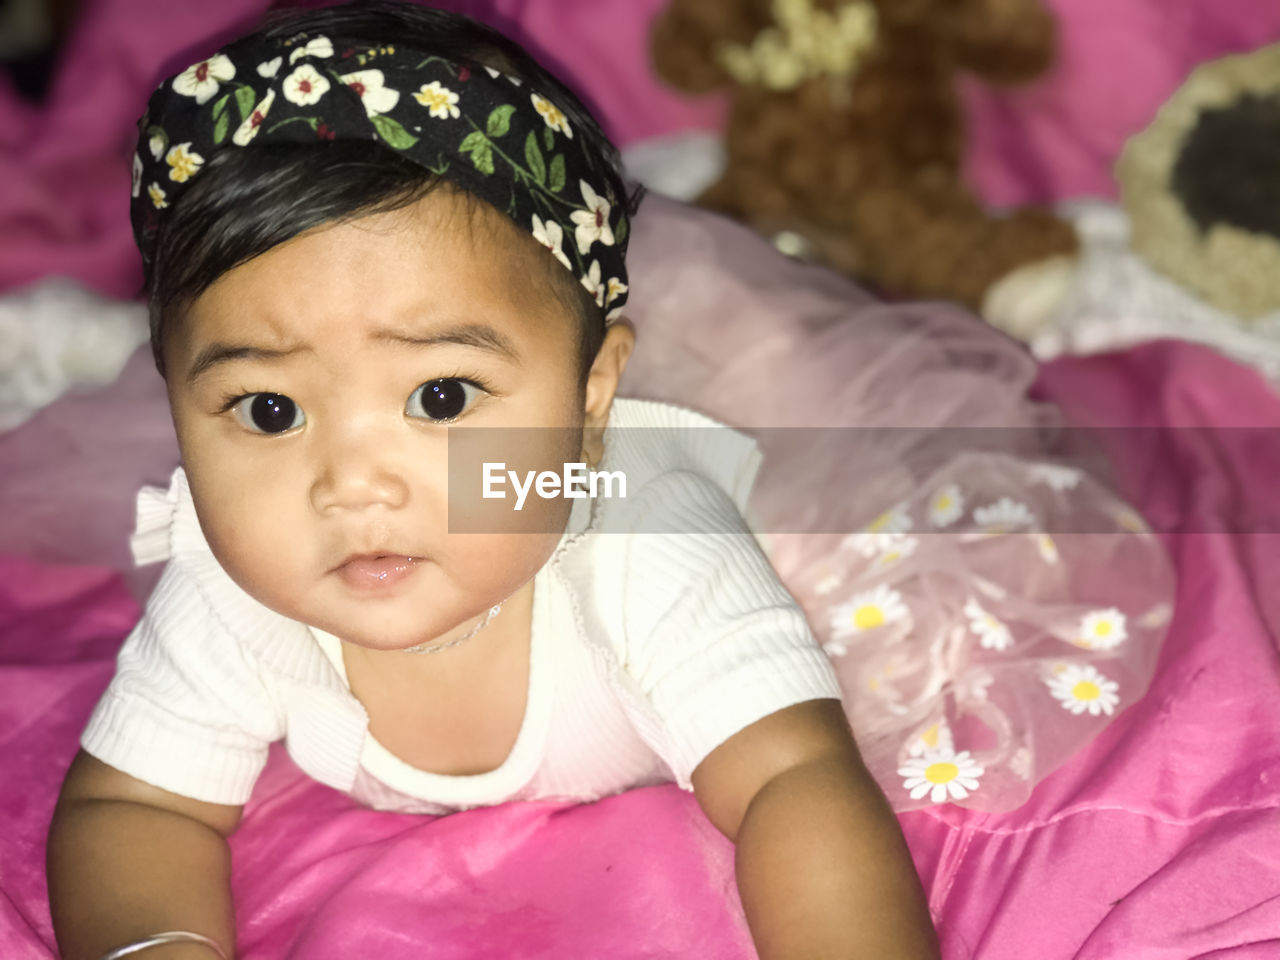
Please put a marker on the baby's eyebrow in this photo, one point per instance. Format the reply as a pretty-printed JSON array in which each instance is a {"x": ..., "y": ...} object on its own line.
[
  {"x": 477, "y": 335},
  {"x": 217, "y": 353}
]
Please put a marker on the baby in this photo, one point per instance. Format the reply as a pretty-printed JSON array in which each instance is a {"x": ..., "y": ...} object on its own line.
[{"x": 369, "y": 230}]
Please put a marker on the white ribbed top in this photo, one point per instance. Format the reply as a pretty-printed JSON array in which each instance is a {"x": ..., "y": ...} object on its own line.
[{"x": 658, "y": 632}]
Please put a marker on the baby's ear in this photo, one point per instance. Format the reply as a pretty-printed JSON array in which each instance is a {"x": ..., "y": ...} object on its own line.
[
  {"x": 602, "y": 384},
  {"x": 686, "y": 37}
]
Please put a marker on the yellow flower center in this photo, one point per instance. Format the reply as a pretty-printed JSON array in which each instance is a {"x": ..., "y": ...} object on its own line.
[
  {"x": 550, "y": 112},
  {"x": 868, "y": 616},
  {"x": 942, "y": 503},
  {"x": 1102, "y": 629},
  {"x": 941, "y": 772},
  {"x": 183, "y": 164},
  {"x": 1084, "y": 690}
]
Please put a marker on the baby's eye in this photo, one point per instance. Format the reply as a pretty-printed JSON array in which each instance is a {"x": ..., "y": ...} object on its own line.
[
  {"x": 268, "y": 413},
  {"x": 443, "y": 399}
]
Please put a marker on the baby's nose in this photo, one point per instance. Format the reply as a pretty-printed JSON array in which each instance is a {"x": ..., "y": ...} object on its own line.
[{"x": 358, "y": 475}]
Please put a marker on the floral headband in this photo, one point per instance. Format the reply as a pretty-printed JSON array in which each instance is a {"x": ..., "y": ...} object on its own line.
[{"x": 478, "y": 129}]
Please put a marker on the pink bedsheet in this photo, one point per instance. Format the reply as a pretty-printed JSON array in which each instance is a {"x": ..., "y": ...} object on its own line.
[{"x": 1161, "y": 840}]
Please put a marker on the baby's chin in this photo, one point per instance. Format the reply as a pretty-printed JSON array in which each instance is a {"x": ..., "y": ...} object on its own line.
[{"x": 382, "y": 630}]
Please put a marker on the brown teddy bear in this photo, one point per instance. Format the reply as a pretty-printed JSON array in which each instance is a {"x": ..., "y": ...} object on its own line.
[{"x": 846, "y": 131}]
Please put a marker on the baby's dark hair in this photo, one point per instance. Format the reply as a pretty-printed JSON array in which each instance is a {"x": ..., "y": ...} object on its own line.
[{"x": 247, "y": 201}]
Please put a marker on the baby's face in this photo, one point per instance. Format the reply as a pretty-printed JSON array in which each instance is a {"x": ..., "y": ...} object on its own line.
[{"x": 314, "y": 389}]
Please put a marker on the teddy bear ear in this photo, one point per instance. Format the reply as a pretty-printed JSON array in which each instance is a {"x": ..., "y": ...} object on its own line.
[
  {"x": 1006, "y": 42},
  {"x": 683, "y": 42}
]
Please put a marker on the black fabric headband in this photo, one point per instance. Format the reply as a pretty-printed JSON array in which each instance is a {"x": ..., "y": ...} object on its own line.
[{"x": 479, "y": 129}]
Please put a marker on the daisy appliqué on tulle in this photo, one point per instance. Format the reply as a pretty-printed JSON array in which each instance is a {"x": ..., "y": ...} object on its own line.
[
  {"x": 1081, "y": 688},
  {"x": 1004, "y": 515},
  {"x": 946, "y": 506},
  {"x": 943, "y": 775},
  {"x": 884, "y": 549},
  {"x": 894, "y": 520},
  {"x": 992, "y": 633},
  {"x": 1056, "y": 476},
  {"x": 1102, "y": 630},
  {"x": 863, "y": 612}
]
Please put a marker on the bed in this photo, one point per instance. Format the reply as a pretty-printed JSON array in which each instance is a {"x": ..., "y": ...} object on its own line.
[{"x": 1161, "y": 839}]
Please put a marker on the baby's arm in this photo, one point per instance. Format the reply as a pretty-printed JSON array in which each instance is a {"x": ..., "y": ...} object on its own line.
[
  {"x": 822, "y": 866},
  {"x": 128, "y": 860}
]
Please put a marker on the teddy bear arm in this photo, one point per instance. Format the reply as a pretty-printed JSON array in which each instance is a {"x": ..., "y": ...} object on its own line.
[{"x": 940, "y": 243}]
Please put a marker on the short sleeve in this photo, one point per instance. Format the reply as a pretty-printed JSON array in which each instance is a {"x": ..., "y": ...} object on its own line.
[
  {"x": 714, "y": 640},
  {"x": 189, "y": 710}
]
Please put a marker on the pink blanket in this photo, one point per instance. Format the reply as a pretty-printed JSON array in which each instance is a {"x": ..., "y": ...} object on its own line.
[{"x": 1161, "y": 840}]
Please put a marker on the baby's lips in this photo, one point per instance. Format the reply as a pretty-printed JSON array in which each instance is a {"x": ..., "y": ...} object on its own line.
[{"x": 375, "y": 571}]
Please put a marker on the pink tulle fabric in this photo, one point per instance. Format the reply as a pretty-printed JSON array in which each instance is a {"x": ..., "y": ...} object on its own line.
[{"x": 988, "y": 608}]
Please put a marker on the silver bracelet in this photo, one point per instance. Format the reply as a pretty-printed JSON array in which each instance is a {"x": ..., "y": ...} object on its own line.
[{"x": 159, "y": 939}]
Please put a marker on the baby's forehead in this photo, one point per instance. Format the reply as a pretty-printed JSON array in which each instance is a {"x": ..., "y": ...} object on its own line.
[
  {"x": 445, "y": 257},
  {"x": 510, "y": 256}
]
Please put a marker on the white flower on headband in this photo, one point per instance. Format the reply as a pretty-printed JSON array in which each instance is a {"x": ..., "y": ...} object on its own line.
[
  {"x": 592, "y": 223},
  {"x": 183, "y": 163},
  {"x": 201, "y": 80},
  {"x": 514, "y": 81},
  {"x": 305, "y": 86},
  {"x": 270, "y": 68},
  {"x": 137, "y": 175},
  {"x": 249, "y": 129},
  {"x": 552, "y": 115},
  {"x": 440, "y": 101},
  {"x": 616, "y": 289},
  {"x": 317, "y": 47},
  {"x": 594, "y": 285},
  {"x": 550, "y": 235},
  {"x": 376, "y": 97},
  {"x": 157, "y": 195}
]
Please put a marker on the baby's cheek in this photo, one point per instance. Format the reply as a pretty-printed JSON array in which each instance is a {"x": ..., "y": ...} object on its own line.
[{"x": 254, "y": 538}]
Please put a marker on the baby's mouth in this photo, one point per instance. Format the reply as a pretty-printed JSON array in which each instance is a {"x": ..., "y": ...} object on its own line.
[{"x": 376, "y": 570}]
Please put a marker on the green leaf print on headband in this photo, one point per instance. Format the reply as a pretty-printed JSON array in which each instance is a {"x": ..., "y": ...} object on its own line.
[
  {"x": 533, "y": 157},
  {"x": 392, "y": 133},
  {"x": 500, "y": 120}
]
